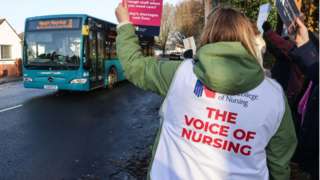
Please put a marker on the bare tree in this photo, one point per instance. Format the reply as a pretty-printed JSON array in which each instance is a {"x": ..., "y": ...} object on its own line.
[
  {"x": 166, "y": 26},
  {"x": 207, "y": 8},
  {"x": 189, "y": 18}
]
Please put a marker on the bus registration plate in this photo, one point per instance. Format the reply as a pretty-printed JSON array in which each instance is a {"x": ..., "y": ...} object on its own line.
[{"x": 51, "y": 87}]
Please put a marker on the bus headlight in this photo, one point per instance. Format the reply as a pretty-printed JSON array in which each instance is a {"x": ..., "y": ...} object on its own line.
[
  {"x": 27, "y": 79},
  {"x": 86, "y": 74},
  {"x": 79, "y": 81}
]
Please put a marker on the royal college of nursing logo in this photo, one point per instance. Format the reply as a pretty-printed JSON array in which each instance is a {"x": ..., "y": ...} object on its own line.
[{"x": 200, "y": 88}]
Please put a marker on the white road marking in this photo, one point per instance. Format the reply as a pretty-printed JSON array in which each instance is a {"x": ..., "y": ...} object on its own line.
[{"x": 10, "y": 108}]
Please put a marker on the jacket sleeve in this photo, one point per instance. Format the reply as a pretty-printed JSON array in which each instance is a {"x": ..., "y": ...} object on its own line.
[
  {"x": 274, "y": 50},
  {"x": 281, "y": 148},
  {"x": 307, "y": 58},
  {"x": 145, "y": 72}
]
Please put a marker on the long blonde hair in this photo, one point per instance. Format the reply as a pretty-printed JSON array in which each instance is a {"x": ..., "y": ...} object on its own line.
[
  {"x": 259, "y": 43},
  {"x": 227, "y": 24}
]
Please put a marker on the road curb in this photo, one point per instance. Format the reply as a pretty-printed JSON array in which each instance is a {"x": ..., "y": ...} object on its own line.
[{"x": 4, "y": 81}]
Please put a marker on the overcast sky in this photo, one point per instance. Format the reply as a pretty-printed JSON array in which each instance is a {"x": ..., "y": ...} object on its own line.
[{"x": 16, "y": 11}]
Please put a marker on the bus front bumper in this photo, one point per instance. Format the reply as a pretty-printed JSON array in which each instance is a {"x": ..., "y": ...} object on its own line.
[{"x": 57, "y": 86}]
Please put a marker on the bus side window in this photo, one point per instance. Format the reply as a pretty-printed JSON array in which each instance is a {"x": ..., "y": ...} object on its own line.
[
  {"x": 108, "y": 49},
  {"x": 111, "y": 44},
  {"x": 113, "y": 51},
  {"x": 101, "y": 49}
]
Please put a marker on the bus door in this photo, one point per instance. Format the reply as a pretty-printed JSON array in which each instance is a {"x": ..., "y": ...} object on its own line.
[
  {"x": 96, "y": 70},
  {"x": 101, "y": 56},
  {"x": 93, "y": 58}
]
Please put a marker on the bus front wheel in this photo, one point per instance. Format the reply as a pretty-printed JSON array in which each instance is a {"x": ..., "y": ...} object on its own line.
[{"x": 112, "y": 78}]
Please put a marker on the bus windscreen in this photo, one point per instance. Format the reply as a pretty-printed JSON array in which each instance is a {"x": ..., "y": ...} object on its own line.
[
  {"x": 54, "y": 48},
  {"x": 53, "y": 43}
]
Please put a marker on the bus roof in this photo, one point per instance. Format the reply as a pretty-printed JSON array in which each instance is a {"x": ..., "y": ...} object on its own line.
[
  {"x": 66, "y": 16},
  {"x": 141, "y": 36}
]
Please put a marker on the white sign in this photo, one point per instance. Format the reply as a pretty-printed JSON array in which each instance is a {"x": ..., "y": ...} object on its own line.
[
  {"x": 189, "y": 43},
  {"x": 264, "y": 12}
]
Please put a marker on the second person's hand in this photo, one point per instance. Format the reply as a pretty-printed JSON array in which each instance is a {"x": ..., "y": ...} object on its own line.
[{"x": 302, "y": 36}]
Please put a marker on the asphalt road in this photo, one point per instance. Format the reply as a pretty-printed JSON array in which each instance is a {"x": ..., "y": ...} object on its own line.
[{"x": 104, "y": 134}]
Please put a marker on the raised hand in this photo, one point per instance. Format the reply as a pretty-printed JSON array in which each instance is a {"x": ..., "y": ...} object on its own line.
[
  {"x": 122, "y": 13},
  {"x": 302, "y": 35}
]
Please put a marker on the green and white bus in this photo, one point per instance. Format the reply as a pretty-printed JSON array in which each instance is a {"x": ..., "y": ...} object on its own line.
[{"x": 72, "y": 52}]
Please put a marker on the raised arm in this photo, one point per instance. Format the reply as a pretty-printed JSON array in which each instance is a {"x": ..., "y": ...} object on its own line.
[{"x": 306, "y": 55}]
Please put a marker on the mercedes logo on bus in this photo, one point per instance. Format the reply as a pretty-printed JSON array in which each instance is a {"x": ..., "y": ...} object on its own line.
[{"x": 50, "y": 79}]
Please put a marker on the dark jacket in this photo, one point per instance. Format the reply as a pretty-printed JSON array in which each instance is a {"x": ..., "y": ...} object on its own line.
[
  {"x": 307, "y": 58},
  {"x": 280, "y": 70},
  {"x": 284, "y": 70}
]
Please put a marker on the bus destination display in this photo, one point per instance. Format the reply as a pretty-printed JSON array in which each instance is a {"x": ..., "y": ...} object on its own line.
[{"x": 47, "y": 24}]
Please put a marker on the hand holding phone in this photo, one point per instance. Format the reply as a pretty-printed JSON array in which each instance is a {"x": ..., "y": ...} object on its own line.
[{"x": 288, "y": 12}]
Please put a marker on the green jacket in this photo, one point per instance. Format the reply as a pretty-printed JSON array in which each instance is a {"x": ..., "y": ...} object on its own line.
[{"x": 225, "y": 67}]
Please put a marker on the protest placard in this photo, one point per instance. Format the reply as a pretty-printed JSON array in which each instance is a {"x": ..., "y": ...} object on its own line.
[
  {"x": 146, "y": 15},
  {"x": 264, "y": 12},
  {"x": 189, "y": 43}
]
